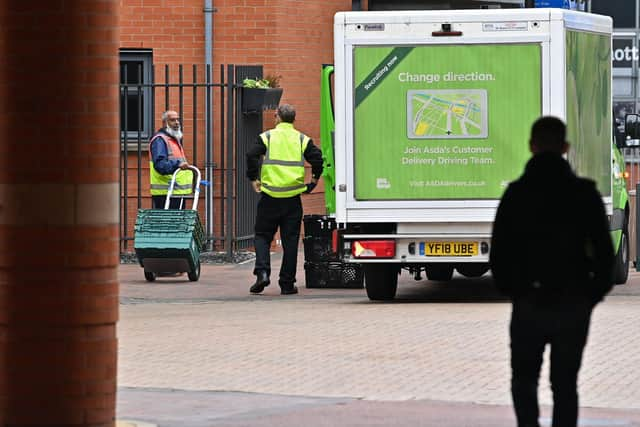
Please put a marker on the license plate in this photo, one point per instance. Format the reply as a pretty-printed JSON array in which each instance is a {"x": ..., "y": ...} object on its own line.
[{"x": 449, "y": 248}]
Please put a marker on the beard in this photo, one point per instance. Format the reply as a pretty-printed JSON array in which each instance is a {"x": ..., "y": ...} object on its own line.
[{"x": 176, "y": 133}]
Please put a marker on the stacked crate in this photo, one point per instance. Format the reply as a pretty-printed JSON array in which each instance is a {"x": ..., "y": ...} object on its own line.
[
  {"x": 169, "y": 234},
  {"x": 323, "y": 267}
]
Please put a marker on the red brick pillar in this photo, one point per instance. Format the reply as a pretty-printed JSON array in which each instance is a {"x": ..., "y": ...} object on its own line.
[{"x": 59, "y": 154}]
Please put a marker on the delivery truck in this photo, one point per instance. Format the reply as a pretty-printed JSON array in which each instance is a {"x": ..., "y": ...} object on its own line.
[{"x": 432, "y": 113}]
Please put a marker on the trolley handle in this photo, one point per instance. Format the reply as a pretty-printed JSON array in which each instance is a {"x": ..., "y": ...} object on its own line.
[{"x": 196, "y": 189}]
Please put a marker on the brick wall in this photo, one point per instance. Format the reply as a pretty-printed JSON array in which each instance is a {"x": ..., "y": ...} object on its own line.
[
  {"x": 173, "y": 28},
  {"x": 290, "y": 38},
  {"x": 59, "y": 213}
]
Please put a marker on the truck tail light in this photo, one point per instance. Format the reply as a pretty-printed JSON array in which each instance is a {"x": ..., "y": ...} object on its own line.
[
  {"x": 373, "y": 249},
  {"x": 624, "y": 175}
]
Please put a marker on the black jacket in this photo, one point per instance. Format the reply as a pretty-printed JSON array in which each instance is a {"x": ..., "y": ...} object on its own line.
[{"x": 551, "y": 235}]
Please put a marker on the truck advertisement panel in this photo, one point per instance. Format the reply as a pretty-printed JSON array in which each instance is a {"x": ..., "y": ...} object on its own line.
[
  {"x": 589, "y": 109},
  {"x": 442, "y": 121}
]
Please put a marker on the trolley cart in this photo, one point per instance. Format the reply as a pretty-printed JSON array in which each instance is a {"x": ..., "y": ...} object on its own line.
[{"x": 170, "y": 240}]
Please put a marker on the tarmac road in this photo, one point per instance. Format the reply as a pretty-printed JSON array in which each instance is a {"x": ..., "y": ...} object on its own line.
[{"x": 207, "y": 353}]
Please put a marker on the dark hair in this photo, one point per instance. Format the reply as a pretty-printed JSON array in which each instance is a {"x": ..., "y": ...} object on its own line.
[
  {"x": 287, "y": 113},
  {"x": 548, "y": 133}
]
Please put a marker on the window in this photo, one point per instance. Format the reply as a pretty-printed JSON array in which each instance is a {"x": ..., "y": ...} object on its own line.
[
  {"x": 135, "y": 94},
  {"x": 623, "y": 12}
]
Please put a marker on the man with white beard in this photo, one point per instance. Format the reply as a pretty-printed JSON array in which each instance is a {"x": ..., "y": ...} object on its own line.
[{"x": 166, "y": 155}]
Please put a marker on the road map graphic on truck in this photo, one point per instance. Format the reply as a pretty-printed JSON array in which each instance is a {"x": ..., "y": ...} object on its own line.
[{"x": 447, "y": 113}]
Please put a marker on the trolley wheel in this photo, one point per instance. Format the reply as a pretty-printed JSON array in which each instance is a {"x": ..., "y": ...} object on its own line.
[
  {"x": 150, "y": 276},
  {"x": 195, "y": 274}
]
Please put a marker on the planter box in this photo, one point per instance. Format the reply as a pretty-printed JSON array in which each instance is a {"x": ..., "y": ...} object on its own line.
[{"x": 255, "y": 100}]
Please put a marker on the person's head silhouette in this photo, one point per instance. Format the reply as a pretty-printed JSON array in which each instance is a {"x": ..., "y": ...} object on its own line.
[{"x": 548, "y": 135}]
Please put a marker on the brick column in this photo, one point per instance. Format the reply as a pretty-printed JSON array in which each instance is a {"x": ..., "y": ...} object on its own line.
[{"x": 58, "y": 212}]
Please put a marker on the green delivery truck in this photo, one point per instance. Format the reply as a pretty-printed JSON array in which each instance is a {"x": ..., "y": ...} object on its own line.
[{"x": 432, "y": 115}]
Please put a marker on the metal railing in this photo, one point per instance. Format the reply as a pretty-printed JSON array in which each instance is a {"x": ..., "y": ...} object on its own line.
[{"x": 212, "y": 123}]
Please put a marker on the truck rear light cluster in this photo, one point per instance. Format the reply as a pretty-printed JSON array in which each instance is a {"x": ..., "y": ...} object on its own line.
[
  {"x": 622, "y": 175},
  {"x": 373, "y": 249}
]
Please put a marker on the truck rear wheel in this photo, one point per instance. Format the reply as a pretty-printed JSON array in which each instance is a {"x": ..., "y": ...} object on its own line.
[
  {"x": 439, "y": 272},
  {"x": 621, "y": 266},
  {"x": 381, "y": 281}
]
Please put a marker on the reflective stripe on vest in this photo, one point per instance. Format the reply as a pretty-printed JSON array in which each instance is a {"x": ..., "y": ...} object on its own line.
[
  {"x": 159, "y": 184},
  {"x": 282, "y": 173}
]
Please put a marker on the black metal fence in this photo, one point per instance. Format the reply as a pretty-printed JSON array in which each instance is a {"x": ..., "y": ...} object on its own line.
[{"x": 217, "y": 135}]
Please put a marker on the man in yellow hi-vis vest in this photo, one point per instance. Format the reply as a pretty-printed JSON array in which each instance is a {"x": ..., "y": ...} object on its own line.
[
  {"x": 166, "y": 155},
  {"x": 280, "y": 180}
]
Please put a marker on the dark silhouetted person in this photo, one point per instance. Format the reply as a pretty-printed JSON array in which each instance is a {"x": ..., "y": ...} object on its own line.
[
  {"x": 281, "y": 181},
  {"x": 552, "y": 254}
]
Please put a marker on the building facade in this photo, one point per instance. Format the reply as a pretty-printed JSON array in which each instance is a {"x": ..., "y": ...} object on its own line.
[
  {"x": 166, "y": 42},
  {"x": 625, "y": 52},
  {"x": 169, "y": 48}
]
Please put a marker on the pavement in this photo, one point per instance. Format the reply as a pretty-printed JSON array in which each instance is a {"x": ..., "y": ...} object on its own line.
[{"x": 207, "y": 353}]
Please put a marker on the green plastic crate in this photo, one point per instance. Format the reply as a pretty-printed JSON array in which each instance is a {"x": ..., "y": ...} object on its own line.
[
  {"x": 167, "y": 222},
  {"x": 169, "y": 237}
]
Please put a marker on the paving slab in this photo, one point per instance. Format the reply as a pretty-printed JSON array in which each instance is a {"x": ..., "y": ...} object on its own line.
[
  {"x": 438, "y": 353},
  {"x": 179, "y": 408}
]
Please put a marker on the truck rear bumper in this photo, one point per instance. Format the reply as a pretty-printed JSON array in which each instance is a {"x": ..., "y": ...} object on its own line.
[{"x": 423, "y": 248}]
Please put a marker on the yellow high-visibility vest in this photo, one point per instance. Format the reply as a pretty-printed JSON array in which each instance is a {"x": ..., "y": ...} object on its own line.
[
  {"x": 282, "y": 173},
  {"x": 160, "y": 183}
]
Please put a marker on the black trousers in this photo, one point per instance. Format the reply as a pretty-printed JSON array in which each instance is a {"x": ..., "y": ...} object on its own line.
[
  {"x": 285, "y": 214},
  {"x": 157, "y": 202},
  {"x": 562, "y": 325}
]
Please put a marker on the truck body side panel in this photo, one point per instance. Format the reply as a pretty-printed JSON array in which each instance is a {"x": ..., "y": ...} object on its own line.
[
  {"x": 442, "y": 122},
  {"x": 588, "y": 115}
]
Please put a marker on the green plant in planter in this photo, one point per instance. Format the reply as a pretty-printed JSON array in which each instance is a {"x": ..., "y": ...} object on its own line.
[
  {"x": 263, "y": 83},
  {"x": 261, "y": 94}
]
